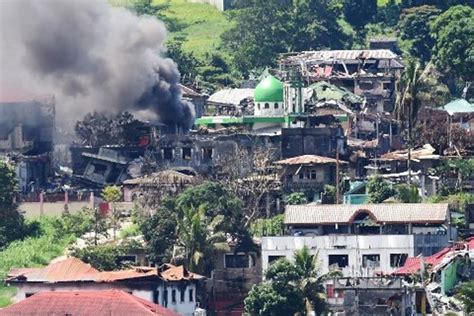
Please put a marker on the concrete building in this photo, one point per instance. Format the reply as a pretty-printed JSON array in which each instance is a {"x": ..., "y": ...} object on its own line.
[
  {"x": 170, "y": 286},
  {"x": 221, "y": 5},
  {"x": 361, "y": 240}
]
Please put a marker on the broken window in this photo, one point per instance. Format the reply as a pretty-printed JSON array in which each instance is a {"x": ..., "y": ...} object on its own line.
[
  {"x": 191, "y": 295},
  {"x": 366, "y": 85},
  {"x": 340, "y": 260},
  {"x": 237, "y": 261},
  {"x": 272, "y": 259},
  {"x": 301, "y": 175},
  {"x": 398, "y": 259},
  {"x": 182, "y": 295},
  {"x": 100, "y": 169},
  {"x": 167, "y": 153},
  {"x": 207, "y": 153},
  {"x": 387, "y": 85},
  {"x": 371, "y": 261},
  {"x": 187, "y": 153},
  {"x": 173, "y": 296},
  {"x": 267, "y": 106}
]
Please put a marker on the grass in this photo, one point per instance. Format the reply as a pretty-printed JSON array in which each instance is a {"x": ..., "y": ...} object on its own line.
[
  {"x": 30, "y": 252},
  {"x": 202, "y": 24}
]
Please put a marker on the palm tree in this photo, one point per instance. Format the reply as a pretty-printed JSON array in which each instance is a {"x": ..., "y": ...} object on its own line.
[
  {"x": 199, "y": 238},
  {"x": 312, "y": 281}
]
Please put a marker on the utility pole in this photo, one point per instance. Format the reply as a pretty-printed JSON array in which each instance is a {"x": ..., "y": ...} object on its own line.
[{"x": 337, "y": 171}]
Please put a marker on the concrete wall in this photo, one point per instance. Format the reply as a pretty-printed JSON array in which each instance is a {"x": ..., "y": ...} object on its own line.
[
  {"x": 185, "y": 307},
  {"x": 352, "y": 245},
  {"x": 221, "y": 5},
  {"x": 269, "y": 109}
]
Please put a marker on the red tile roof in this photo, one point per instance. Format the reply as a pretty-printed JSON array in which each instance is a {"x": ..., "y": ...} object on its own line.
[
  {"x": 97, "y": 303},
  {"x": 413, "y": 264},
  {"x": 309, "y": 160}
]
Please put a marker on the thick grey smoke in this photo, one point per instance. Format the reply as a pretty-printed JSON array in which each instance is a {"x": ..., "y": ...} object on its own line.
[{"x": 91, "y": 56}]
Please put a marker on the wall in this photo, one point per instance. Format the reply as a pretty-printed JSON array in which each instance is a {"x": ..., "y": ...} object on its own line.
[
  {"x": 309, "y": 141},
  {"x": 186, "y": 307},
  {"x": 353, "y": 246},
  {"x": 221, "y": 5}
]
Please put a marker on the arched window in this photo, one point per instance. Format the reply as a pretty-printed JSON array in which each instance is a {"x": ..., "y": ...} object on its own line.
[
  {"x": 276, "y": 105},
  {"x": 267, "y": 106}
]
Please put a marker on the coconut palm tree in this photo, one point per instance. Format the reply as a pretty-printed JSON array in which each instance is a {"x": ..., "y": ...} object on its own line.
[
  {"x": 199, "y": 238},
  {"x": 312, "y": 281}
]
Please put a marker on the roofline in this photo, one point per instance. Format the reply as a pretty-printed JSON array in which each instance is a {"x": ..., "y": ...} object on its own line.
[{"x": 378, "y": 222}]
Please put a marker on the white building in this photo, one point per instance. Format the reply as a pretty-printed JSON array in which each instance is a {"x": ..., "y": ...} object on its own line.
[
  {"x": 170, "y": 286},
  {"x": 361, "y": 240}
]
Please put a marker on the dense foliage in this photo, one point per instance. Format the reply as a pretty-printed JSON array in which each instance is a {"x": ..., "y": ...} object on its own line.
[
  {"x": 264, "y": 29},
  {"x": 268, "y": 227},
  {"x": 466, "y": 295},
  {"x": 379, "y": 189}
]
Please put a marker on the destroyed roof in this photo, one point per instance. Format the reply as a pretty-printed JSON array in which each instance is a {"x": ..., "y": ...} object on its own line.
[
  {"x": 231, "y": 96},
  {"x": 166, "y": 176},
  {"x": 344, "y": 55},
  {"x": 425, "y": 152},
  {"x": 459, "y": 106},
  {"x": 99, "y": 303},
  {"x": 314, "y": 214},
  {"x": 171, "y": 273},
  {"x": 413, "y": 264},
  {"x": 188, "y": 92},
  {"x": 326, "y": 91},
  {"x": 362, "y": 143},
  {"x": 309, "y": 160},
  {"x": 107, "y": 154},
  {"x": 74, "y": 270}
]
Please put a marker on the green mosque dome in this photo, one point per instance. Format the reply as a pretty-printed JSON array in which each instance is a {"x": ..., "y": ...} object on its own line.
[{"x": 269, "y": 89}]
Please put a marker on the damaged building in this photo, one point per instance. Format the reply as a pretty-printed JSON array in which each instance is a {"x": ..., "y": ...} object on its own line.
[{"x": 26, "y": 138}]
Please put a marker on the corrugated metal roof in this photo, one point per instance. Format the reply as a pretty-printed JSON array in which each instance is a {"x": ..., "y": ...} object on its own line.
[
  {"x": 459, "y": 106},
  {"x": 344, "y": 54},
  {"x": 308, "y": 160},
  {"x": 74, "y": 270},
  {"x": 162, "y": 177},
  {"x": 425, "y": 152},
  {"x": 98, "y": 303},
  {"x": 231, "y": 96},
  {"x": 313, "y": 214}
]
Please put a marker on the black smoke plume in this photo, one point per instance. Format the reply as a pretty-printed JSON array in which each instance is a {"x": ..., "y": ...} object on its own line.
[{"x": 93, "y": 57}]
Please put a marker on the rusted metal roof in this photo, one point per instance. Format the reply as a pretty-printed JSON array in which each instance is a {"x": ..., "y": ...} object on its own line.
[
  {"x": 98, "y": 303},
  {"x": 231, "y": 96},
  {"x": 178, "y": 273},
  {"x": 314, "y": 214},
  {"x": 423, "y": 153},
  {"x": 309, "y": 160},
  {"x": 74, "y": 270},
  {"x": 162, "y": 177}
]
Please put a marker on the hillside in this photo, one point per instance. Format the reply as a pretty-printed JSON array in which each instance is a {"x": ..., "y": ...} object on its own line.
[{"x": 201, "y": 25}]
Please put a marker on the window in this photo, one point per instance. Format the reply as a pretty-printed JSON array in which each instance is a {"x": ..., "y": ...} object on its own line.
[
  {"x": 301, "y": 175},
  {"x": 340, "y": 260},
  {"x": 387, "y": 85},
  {"x": 187, "y": 153},
  {"x": 191, "y": 295},
  {"x": 167, "y": 153},
  {"x": 371, "y": 261},
  {"x": 236, "y": 261},
  {"x": 29, "y": 294},
  {"x": 258, "y": 106},
  {"x": 173, "y": 296},
  {"x": 275, "y": 105},
  {"x": 398, "y": 259},
  {"x": 366, "y": 85},
  {"x": 267, "y": 106},
  {"x": 207, "y": 153},
  {"x": 156, "y": 296},
  {"x": 165, "y": 298},
  {"x": 182, "y": 295},
  {"x": 313, "y": 174},
  {"x": 272, "y": 259},
  {"x": 100, "y": 169}
]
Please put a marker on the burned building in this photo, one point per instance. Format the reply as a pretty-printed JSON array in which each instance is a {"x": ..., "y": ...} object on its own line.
[
  {"x": 370, "y": 73},
  {"x": 26, "y": 138}
]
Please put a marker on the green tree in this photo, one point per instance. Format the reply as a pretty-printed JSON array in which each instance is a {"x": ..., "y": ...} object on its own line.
[
  {"x": 113, "y": 194},
  {"x": 360, "y": 12},
  {"x": 408, "y": 193},
  {"x": 414, "y": 27},
  {"x": 264, "y": 300},
  {"x": 268, "y": 226},
  {"x": 159, "y": 232},
  {"x": 453, "y": 32},
  {"x": 379, "y": 190},
  {"x": 199, "y": 239},
  {"x": 296, "y": 198},
  {"x": 12, "y": 224},
  {"x": 466, "y": 295},
  {"x": 264, "y": 29},
  {"x": 187, "y": 63}
]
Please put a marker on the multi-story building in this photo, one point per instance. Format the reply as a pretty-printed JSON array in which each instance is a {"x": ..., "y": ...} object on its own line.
[{"x": 361, "y": 240}]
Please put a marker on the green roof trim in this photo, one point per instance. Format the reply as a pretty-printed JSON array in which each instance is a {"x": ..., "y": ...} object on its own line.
[
  {"x": 240, "y": 120},
  {"x": 269, "y": 89}
]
